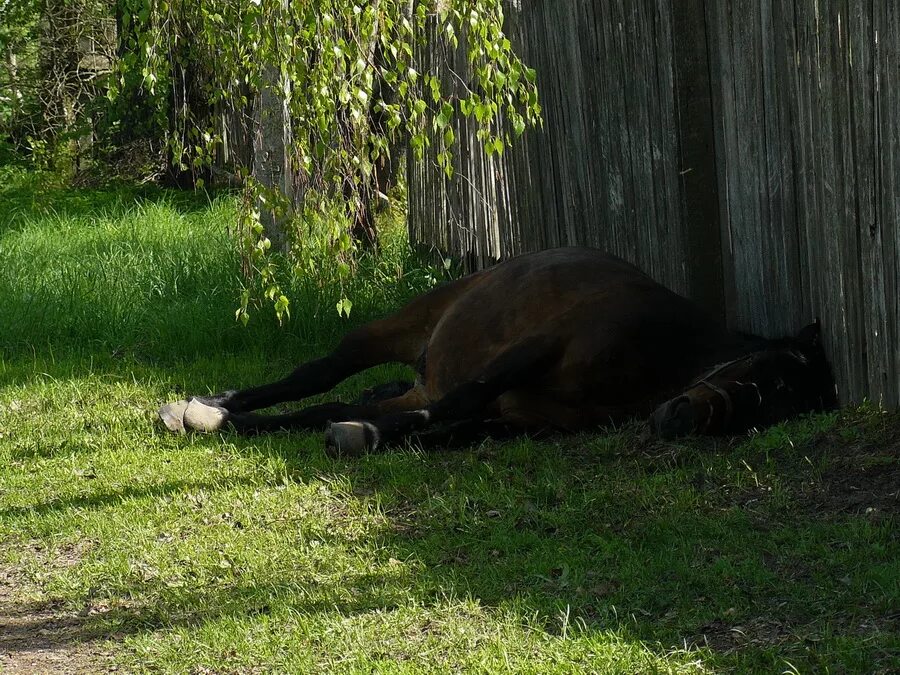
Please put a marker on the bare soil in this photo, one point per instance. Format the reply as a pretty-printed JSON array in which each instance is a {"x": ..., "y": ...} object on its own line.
[{"x": 40, "y": 636}]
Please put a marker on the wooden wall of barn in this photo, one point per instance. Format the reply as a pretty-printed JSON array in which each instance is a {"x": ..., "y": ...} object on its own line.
[{"x": 747, "y": 154}]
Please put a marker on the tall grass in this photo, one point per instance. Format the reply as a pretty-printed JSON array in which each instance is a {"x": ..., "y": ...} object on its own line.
[{"x": 155, "y": 274}]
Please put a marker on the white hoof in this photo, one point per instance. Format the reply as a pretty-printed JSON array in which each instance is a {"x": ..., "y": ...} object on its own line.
[
  {"x": 172, "y": 415},
  {"x": 351, "y": 438},
  {"x": 201, "y": 417}
]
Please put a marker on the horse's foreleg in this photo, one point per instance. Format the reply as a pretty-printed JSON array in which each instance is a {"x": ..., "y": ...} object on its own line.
[
  {"x": 368, "y": 346},
  {"x": 203, "y": 417},
  {"x": 209, "y": 413},
  {"x": 515, "y": 367},
  {"x": 399, "y": 338}
]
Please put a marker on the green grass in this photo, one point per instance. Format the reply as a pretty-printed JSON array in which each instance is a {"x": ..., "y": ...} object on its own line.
[{"x": 600, "y": 553}]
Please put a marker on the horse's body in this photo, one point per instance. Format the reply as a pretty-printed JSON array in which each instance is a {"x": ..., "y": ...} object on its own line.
[{"x": 568, "y": 338}]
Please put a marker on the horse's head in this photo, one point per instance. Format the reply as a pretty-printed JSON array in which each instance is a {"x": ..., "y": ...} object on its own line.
[{"x": 788, "y": 378}]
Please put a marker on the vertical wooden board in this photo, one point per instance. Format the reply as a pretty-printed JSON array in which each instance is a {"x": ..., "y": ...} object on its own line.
[
  {"x": 794, "y": 124},
  {"x": 722, "y": 109},
  {"x": 565, "y": 90},
  {"x": 664, "y": 250},
  {"x": 671, "y": 226},
  {"x": 530, "y": 172},
  {"x": 616, "y": 28},
  {"x": 550, "y": 75},
  {"x": 839, "y": 186},
  {"x": 846, "y": 157},
  {"x": 810, "y": 225},
  {"x": 594, "y": 219},
  {"x": 819, "y": 170},
  {"x": 740, "y": 165},
  {"x": 743, "y": 160},
  {"x": 748, "y": 181},
  {"x": 615, "y": 233},
  {"x": 692, "y": 189},
  {"x": 576, "y": 152},
  {"x": 552, "y": 95},
  {"x": 846, "y": 203},
  {"x": 597, "y": 217},
  {"x": 781, "y": 270},
  {"x": 653, "y": 232},
  {"x": 887, "y": 166},
  {"x": 871, "y": 297},
  {"x": 636, "y": 78}
]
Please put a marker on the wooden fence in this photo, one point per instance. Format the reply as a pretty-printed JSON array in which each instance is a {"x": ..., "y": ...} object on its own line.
[{"x": 744, "y": 153}]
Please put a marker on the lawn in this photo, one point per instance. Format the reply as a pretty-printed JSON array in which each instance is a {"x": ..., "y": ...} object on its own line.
[{"x": 123, "y": 546}]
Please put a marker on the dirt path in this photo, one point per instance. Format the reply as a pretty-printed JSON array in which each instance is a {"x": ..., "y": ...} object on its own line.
[{"x": 39, "y": 637}]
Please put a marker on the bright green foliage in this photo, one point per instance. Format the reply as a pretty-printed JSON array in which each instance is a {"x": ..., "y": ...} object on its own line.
[
  {"x": 55, "y": 56},
  {"x": 334, "y": 62},
  {"x": 350, "y": 78},
  {"x": 154, "y": 271},
  {"x": 18, "y": 53}
]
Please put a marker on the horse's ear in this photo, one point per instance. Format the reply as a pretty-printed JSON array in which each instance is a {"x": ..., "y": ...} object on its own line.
[{"x": 811, "y": 336}]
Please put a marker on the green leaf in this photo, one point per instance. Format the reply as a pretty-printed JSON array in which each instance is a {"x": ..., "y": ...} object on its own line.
[
  {"x": 344, "y": 306},
  {"x": 518, "y": 124},
  {"x": 443, "y": 118}
]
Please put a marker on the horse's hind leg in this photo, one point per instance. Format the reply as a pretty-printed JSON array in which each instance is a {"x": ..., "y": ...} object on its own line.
[
  {"x": 519, "y": 365},
  {"x": 313, "y": 417}
]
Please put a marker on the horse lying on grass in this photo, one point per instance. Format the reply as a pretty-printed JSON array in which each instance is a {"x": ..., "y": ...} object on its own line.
[{"x": 566, "y": 339}]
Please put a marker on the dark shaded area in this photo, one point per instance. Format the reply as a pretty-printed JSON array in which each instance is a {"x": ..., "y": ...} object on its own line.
[
  {"x": 697, "y": 561},
  {"x": 94, "y": 500}
]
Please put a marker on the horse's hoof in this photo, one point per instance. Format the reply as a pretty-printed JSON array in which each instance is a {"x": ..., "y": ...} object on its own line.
[
  {"x": 172, "y": 415},
  {"x": 351, "y": 438},
  {"x": 201, "y": 417}
]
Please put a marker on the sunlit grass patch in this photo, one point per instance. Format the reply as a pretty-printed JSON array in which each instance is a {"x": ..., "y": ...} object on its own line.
[{"x": 605, "y": 552}]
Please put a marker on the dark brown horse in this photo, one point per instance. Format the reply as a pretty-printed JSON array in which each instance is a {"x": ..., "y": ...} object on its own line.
[{"x": 566, "y": 339}]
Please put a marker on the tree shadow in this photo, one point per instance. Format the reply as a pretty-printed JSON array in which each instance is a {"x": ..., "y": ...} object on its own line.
[
  {"x": 636, "y": 538},
  {"x": 658, "y": 542},
  {"x": 101, "y": 500}
]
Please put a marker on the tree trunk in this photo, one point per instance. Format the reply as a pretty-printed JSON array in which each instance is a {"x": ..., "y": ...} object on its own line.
[
  {"x": 271, "y": 142},
  {"x": 12, "y": 67}
]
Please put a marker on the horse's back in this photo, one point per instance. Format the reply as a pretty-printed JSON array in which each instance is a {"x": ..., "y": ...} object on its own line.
[{"x": 595, "y": 307}]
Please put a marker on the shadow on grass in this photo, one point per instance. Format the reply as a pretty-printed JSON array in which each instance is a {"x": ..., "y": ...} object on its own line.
[
  {"x": 103, "y": 500},
  {"x": 659, "y": 543},
  {"x": 675, "y": 545}
]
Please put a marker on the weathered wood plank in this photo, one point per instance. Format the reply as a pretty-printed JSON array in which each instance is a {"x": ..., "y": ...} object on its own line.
[{"x": 745, "y": 153}]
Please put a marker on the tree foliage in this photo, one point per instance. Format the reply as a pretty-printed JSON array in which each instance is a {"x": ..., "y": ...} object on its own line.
[
  {"x": 351, "y": 83},
  {"x": 18, "y": 42},
  {"x": 57, "y": 55},
  {"x": 308, "y": 104}
]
